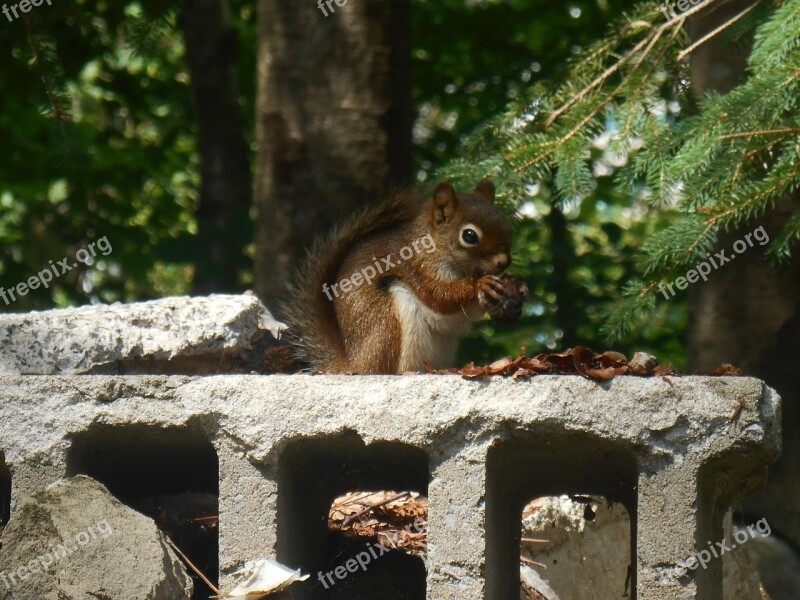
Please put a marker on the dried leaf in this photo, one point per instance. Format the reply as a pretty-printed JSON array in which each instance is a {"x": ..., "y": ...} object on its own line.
[
  {"x": 583, "y": 359},
  {"x": 643, "y": 364},
  {"x": 612, "y": 359},
  {"x": 499, "y": 366},
  {"x": 396, "y": 520},
  {"x": 470, "y": 371},
  {"x": 563, "y": 360},
  {"x": 662, "y": 371},
  {"x": 726, "y": 370},
  {"x": 523, "y": 374},
  {"x": 260, "y": 578}
]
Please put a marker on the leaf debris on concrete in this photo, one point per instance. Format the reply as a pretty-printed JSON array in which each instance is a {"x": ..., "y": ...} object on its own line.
[
  {"x": 579, "y": 360},
  {"x": 575, "y": 361}
]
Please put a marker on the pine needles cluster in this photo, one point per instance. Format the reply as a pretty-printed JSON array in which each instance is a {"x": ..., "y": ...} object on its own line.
[
  {"x": 44, "y": 58},
  {"x": 721, "y": 163}
]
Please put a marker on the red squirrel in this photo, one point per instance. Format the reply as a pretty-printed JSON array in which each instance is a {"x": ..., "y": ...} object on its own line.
[{"x": 393, "y": 288}]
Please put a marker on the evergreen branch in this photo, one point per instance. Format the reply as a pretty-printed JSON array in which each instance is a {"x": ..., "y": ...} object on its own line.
[
  {"x": 599, "y": 80},
  {"x": 647, "y": 75},
  {"x": 638, "y": 304},
  {"x": 601, "y": 49},
  {"x": 603, "y": 77},
  {"x": 781, "y": 248},
  {"x": 59, "y": 103},
  {"x": 754, "y": 105},
  {"x": 741, "y": 114},
  {"x": 677, "y": 246},
  {"x": 150, "y": 36},
  {"x": 728, "y": 162},
  {"x": 693, "y": 198},
  {"x": 758, "y": 149},
  {"x": 731, "y": 136},
  {"x": 772, "y": 40},
  {"x": 611, "y": 96},
  {"x": 782, "y": 184},
  {"x": 714, "y": 32}
]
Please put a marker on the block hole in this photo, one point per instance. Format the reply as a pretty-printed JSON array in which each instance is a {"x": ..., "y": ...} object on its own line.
[
  {"x": 170, "y": 475},
  {"x": 723, "y": 482},
  {"x": 313, "y": 475},
  {"x": 571, "y": 481},
  {"x": 578, "y": 545}
]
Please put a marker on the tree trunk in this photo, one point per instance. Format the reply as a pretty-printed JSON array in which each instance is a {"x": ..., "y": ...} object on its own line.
[
  {"x": 748, "y": 313},
  {"x": 225, "y": 190},
  {"x": 333, "y": 122}
]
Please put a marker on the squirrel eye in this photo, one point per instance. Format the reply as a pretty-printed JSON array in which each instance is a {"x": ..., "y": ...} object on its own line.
[{"x": 470, "y": 237}]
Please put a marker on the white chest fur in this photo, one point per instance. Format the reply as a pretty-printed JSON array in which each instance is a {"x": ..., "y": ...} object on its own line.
[{"x": 427, "y": 335}]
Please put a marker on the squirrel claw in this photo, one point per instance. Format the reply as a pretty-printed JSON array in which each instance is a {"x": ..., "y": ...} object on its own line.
[
  {"x": 490, "y": 292},
  {"x": 502, "y": 298}
]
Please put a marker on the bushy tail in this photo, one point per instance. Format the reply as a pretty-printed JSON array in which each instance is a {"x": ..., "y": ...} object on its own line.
[{"x": 313, "y": 329}]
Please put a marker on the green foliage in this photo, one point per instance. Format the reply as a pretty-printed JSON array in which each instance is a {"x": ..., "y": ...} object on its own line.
[
  {"x": 473, "y": 57},
  {"x": 99, "y": 142},
  {"x": 726, "y": 165},
  {"x": 718, "y": 165},
  {"x": 575, "y": 275}
]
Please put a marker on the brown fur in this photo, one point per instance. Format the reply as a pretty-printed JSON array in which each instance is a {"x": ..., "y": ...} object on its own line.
[{"x": 362, "y": 330}]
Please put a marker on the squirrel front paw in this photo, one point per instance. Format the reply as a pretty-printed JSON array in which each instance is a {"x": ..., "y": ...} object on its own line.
[{"x": 503, "y": 298}]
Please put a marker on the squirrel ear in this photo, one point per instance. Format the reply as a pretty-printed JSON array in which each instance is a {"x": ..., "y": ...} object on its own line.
[
  {"x": 445, "y": 202},
  {"x": 485, "y": 189}
]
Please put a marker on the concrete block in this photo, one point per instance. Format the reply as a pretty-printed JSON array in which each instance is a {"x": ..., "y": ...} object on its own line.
[
  {"x": 669, "y": 451},
  {"x": 177, "y": 335},
  {"x": 85, "y": 390}
]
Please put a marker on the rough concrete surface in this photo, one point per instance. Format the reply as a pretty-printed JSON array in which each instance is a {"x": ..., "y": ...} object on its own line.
[
  {"x": 682, "y": 434},
  {"x": 74, "y": 541},
  {"x": 212, "y": 331}
]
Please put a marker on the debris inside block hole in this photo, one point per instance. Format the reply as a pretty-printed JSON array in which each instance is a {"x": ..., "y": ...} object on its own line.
[
  {"x": 399, "y": 520},
  {"x": 396, "y": 520},
  {"x": 189, "y": 520},
  {"x": 262, "y": 578},
  {"x": 574, "y": 538}
]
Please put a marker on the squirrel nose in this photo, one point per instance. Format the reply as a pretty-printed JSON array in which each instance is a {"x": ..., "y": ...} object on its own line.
[{"x": 502, "y": 261}]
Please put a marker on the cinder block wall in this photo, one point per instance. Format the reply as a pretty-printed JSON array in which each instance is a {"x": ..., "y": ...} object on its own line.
[{"x": 676, "y": 451}]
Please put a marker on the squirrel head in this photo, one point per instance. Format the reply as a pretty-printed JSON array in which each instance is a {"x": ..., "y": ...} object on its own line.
[{"x": 473, "y": 238}]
